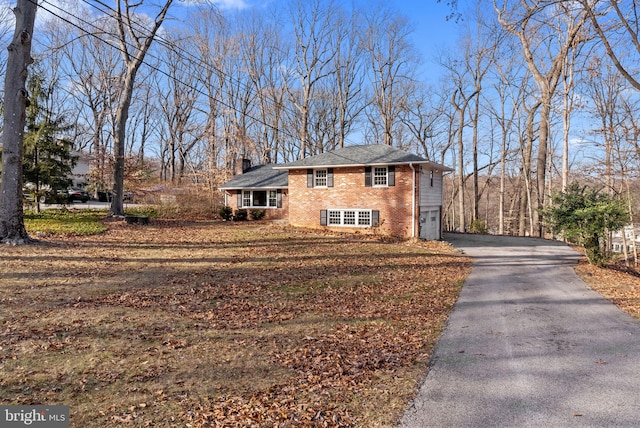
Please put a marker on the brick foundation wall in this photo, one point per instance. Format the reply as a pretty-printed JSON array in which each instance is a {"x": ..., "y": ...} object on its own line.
[{"x": 350, "y": 192}]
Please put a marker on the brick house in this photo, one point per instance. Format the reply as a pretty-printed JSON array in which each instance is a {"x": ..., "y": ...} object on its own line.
[
  {"x": 367, "y": 188},
  {"x": 258, "y": 187}
]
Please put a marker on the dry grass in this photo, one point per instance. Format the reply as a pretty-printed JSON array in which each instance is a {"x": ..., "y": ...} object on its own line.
[{"x": 219, "y": 324}]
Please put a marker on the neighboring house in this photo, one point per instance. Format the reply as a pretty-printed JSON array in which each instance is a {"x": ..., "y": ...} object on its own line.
[
  {"x": 632, "y": 237},
  {"x": 368, "y": 188},
  {"x": 80, "y": 173}
]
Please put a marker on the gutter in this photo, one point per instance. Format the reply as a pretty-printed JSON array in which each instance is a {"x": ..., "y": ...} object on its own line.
[
  {"x": 350, "y": 165},
  {"x": 413, "y": 201}
]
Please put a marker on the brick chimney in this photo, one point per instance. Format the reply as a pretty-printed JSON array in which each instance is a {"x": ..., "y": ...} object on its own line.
[{"x": 242, "y": 165}]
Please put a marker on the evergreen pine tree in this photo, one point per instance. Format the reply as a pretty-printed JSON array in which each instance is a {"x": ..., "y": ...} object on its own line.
[{"x": 47, "y": 156}]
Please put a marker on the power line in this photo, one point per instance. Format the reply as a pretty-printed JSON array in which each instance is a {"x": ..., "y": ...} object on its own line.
[
  {"x": 156, "y": 68},
  {"x": 187, "y": 56}
]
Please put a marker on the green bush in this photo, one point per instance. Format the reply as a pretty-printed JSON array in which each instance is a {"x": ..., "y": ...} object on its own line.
[
  {"x": 583, "y": 215},
  {"x": 258, "y": 214},
  {"x": 225, "y": 212},
  {"x": 479, "y": 227},
  {"x": 147, "y": 211},
  {"x": 240, "y": 215}
]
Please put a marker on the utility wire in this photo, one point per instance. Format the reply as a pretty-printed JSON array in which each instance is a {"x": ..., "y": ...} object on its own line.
[
  {"x": 153, "y": 67},
  {"x": 109, "y": 11}
]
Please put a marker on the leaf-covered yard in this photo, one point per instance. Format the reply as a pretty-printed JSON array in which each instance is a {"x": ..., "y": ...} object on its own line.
[{"x": 220, "y": 324}]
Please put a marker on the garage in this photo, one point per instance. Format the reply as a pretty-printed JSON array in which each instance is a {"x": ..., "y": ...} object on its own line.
[{"x": 430, "y": 223}]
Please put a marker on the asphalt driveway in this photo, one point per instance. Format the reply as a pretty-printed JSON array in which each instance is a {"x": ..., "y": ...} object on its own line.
[{"x": 529, "y": 344}]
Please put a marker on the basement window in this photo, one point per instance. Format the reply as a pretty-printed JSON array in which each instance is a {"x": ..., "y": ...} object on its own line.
[{"x": 349, "y": 218}]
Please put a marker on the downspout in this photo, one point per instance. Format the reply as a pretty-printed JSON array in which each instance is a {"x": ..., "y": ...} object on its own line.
[{"x": 413, "y": 201}]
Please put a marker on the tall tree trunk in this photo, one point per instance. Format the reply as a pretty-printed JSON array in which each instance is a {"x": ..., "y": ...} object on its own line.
[
  {"x": 461, "y": 109},
  {"x": 476, "y": 191},
  {"x": 526, "y": 199},
  {"x": 541, "y": 164},
  {"x": 461, "y": 178},
  {"x": 503, "y": 163},
  {"x": 12, "y": 228},
  {"x": 567, "y": 79},
  {"x": 119, "y": 138},
  {"x": 132, "y": 60}
]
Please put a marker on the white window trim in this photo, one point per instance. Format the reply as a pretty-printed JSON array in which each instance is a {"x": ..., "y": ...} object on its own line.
[
  {"x": 325, "y": 178},
  {"x": 373, "y": 176},
  {"x": 267, "y": 207},
  {"x": 342, "y": 211}
]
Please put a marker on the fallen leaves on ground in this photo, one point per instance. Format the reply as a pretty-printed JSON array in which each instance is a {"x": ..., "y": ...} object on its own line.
[
  {"x": 218, "y": 324},
  {"x": 617, "y": 283}
]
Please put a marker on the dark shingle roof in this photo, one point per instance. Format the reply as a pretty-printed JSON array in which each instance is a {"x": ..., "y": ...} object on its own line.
[
  {"x": 259, "y": 177},
  {"x": 375, "y": 154}
]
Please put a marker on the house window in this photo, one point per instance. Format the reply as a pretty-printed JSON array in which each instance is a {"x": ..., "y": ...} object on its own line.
[
  {"x": 259, "y": 199},
  {"x": 380, "y": 176},
  {"x": 320, "y": 178},
  {"x": 246, "y": 198},
  {"x": 364, "y": 218},
  {"x": 349, "y": 218},
  {"x": 335, "y": 218}
]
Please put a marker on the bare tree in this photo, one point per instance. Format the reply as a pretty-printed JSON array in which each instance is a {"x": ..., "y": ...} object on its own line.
[
  {"x": 606, "y": 89},
  {"x": 314, "y": 53},
  {"x": 91, "y": 68},
  {"x": 530, "y": 22},
  {"x": 569, "y": 103},
  {"x": 263, "y": 52},
  {"x": 392, "y": 61},
  {"x": 6, "y": 26},
  {"x": 504, "y": 111},
  {"x": 479, "y": 48},
  {"x": 463, "y": 91},
  {"x": 209, "y": 30},
  {"x": 349, "y": 74},
  {"x": 616, "y": 24},
  {"x": 460, "y": 102},
  {"x": 12, "y": 228},
  {"x": 178, "y": 94},
  {"x": 422, "y": 115},
  {"x": 134, "y": 42}
]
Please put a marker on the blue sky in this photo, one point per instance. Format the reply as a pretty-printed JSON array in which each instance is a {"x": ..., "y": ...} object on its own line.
[
  {"x": 429, "y": 21},
  {"x": 428, "y": 18}
]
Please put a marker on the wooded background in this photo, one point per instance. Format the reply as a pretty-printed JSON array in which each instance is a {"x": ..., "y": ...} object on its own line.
[{"x": 295, "y": 78}]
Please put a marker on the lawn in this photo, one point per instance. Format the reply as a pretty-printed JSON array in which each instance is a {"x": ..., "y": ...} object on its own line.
[
  {"x": 222, "y": 324},
  {"x": 618, "y": 284}
]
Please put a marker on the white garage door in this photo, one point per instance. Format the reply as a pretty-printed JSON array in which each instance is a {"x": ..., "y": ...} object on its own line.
[{"x": 430, "y": 224}]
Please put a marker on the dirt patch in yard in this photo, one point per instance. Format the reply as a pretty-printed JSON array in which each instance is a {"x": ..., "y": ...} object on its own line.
[{"x": 220, "y": 324}]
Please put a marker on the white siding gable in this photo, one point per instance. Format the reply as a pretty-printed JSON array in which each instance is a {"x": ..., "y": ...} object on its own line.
[{"x": 430, "y": 188}]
